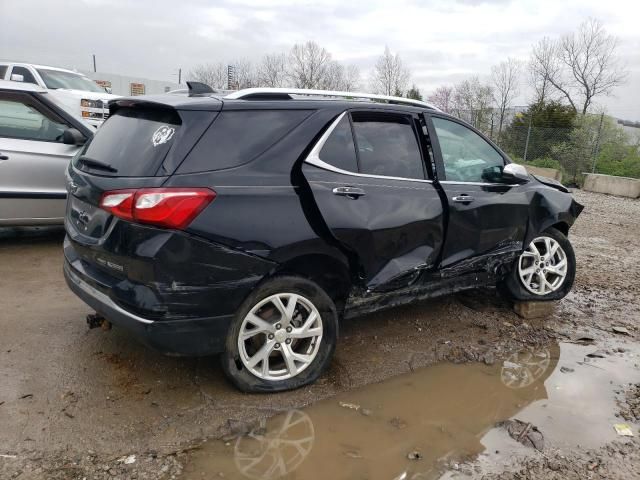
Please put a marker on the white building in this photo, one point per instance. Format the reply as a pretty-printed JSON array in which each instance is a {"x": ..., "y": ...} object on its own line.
[{"x": 127, "y": 85}]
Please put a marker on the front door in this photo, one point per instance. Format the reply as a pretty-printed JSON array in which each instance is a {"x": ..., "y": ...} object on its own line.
[
  {"x": 33, "y": 160},
  {"x": 487, "y": 217},
  {"x": 370, "y": 183}
]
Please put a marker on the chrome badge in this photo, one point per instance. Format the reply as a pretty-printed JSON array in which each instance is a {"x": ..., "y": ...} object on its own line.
[{"x": 162, "y": 135}]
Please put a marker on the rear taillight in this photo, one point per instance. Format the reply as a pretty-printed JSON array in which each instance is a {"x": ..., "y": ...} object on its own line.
[{"x": 164, "y": 207}]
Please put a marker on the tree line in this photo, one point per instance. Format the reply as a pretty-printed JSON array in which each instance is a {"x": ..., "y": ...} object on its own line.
[
  {"x": 573, "y": 69},
  {"x": 310, "y": 66},
  {"x": 564, "y": 75}
]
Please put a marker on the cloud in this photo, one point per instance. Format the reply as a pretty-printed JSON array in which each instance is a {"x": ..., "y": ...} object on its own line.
[{"x": 441, "y": 41}]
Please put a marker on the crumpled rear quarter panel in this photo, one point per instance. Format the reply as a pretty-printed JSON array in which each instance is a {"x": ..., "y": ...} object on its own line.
[{"x": 167, "y": 274}]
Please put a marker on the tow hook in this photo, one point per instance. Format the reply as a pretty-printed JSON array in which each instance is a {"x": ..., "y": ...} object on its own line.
[{"x": 95, "y": 320}]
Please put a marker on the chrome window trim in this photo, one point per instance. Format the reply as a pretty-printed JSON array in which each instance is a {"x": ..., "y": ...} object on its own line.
[
  {"x": 314, "y": 158},
  {"x": 457, "y": 182}
]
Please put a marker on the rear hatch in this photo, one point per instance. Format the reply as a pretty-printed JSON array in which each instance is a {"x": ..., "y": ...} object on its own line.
[{"x": 138, "y": 147}]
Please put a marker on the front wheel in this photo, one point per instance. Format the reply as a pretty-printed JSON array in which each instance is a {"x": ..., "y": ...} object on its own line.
[
  {"x": 545, "y": 270},
  {"x": 282, "y": 337}
]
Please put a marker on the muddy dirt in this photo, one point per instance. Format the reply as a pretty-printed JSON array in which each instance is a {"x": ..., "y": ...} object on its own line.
[
  {"x": 78, "y": 403},
  {"x": 425, "y": 423}
]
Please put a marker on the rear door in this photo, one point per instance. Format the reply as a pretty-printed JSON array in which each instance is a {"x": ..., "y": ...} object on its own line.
[
  {"x": 33, "y": 160},
  {"x": 370, "y": 183},
  {"x": 487, "y": 217}
]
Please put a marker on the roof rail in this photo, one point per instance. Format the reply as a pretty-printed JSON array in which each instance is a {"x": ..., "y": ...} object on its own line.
[{"x": 264, "y": 93}]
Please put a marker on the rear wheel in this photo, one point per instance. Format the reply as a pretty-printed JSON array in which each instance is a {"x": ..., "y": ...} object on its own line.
[
  {"x": 545, "y": 270},
  {"x": 282, "y": 337}
]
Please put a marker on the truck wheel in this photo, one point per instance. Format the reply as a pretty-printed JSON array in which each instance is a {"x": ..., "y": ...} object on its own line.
[
  {"x": 545, "y": 270},
  {"x": 282, "y": 337}
]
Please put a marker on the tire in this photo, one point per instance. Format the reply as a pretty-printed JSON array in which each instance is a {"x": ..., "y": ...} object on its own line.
[
  {"x": 270, "y": 337},
  {"x": 517, "y": 287}
]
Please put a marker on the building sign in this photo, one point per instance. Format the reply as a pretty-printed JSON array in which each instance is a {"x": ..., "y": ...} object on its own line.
[
  {"x": 137, "y": 88},
  {"x": 103, "y": 83}
]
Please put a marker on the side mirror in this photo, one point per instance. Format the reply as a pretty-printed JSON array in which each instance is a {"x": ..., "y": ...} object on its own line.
[
  {"x": 514, "y": 173},
  {"x": 71, "y": 136},
  {"x": 16, "y": 77},
  {"x": 108, "y": 90}
]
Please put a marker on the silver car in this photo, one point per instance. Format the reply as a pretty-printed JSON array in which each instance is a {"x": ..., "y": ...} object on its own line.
[{"x": 38, "y": 137}]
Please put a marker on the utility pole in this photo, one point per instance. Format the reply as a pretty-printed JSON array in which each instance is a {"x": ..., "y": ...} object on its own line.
[
  {"x": 179, "y": 76},
  {"x": 94, "y": 63},
  {"x": 597, "y": 149},
  {"x": 526, "y": 144}
]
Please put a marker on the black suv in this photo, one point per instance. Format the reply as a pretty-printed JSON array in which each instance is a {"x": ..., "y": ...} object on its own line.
[{"x": 249, "y": 225}]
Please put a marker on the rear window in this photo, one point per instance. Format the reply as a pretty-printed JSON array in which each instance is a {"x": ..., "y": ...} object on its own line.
[
  {"x": 133, "y": 141},
  {"x": 339, "y": 149},
  {"x": 239, "y": 136},
  {"x": 387, "y": 145}
]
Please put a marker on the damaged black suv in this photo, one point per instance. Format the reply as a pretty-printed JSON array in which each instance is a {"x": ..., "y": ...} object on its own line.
[{"x": 249, "y": 225}]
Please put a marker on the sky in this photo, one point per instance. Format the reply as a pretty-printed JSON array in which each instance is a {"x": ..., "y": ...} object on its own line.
[{"x": 441, "y": 41}]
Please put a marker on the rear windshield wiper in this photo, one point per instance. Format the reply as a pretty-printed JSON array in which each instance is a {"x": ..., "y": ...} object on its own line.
[{"x": 97, "y": 164}]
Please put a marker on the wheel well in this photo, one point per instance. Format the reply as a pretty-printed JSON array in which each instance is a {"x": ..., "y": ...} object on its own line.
[
  {"x": 332, "y": 275},
  {"x": 562, "y": 227}
]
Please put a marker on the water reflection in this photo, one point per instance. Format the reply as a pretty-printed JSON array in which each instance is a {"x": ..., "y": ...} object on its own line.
[
  {"x": 275, "y": 449},
  {"x": 523, "y": 368},
  {"x": 442, "y": 412}
]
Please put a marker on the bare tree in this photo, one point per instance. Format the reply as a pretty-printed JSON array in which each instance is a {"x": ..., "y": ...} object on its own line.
[
  {"x": 581, "y": 65},
  {"x": 308, "y": 65},
  {"x": 543, "y": 66},
  {"x": 244, "y": 74},
  {"x": 341, "y": 77},
  {"x": 212, "y": 74},
  {"x": 472, "y": 101},
  {"x": 590, "y": 57},
  {"x": 351, "y": 78},
  {"x": 334, "y": 77},
  {"x": 390, "y": 76},
  {"x": 442, "y": 98},
  {"x": 504, "y": 78},
  {"x": 272, "y": 71}
]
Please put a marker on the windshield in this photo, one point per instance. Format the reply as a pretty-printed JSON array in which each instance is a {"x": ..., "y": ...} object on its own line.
[{"x": 55, "y": 79}]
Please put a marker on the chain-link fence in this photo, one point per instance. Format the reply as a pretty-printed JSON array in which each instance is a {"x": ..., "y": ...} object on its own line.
[{"x": 554, "y": 136}]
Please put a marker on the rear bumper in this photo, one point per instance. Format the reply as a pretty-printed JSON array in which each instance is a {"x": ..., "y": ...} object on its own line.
[{"x": 194, "y": 336}]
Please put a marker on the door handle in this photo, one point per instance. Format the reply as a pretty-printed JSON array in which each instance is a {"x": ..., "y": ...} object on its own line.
[
  {"x": 350, "y": 192},
  {"x": 464, "y": 198},
  {"x": 3, "y": 157}
]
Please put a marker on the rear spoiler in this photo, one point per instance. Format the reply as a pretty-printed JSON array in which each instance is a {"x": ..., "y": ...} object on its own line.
[{"x": 173, "y": 102}]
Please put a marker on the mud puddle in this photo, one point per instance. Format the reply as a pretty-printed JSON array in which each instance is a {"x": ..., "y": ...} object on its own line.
[{"x": 421, "y": 424}]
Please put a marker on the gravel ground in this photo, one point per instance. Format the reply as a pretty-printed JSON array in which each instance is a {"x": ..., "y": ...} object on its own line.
[{"x": 77, "y": 403}]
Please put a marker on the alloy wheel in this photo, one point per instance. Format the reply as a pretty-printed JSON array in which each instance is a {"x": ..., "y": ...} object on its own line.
[
  {"x": 280, "y": 336},
  {"x": 543, "y": 266}
]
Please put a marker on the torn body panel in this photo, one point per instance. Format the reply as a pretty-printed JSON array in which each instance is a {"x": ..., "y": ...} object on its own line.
[
  {"x": 430, "y": 285},
  {"x": 550, "y": 206},
  {"x": 494, "y": 216},
  {"x": 391, "y": 231}
]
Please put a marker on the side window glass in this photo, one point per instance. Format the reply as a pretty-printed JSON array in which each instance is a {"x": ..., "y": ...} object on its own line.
[
  {"x": 339, "y": 149},
  {"x": 26, "y": 74},
  {"x": 466, "y": 155},
  {"x": 387, "y": 145},
  {"x": 3, "y": 71},
  {"x": 21, "y": 120}
]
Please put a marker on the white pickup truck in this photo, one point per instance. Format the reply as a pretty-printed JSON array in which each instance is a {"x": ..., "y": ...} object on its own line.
[{"x": 78, "y": 93}]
